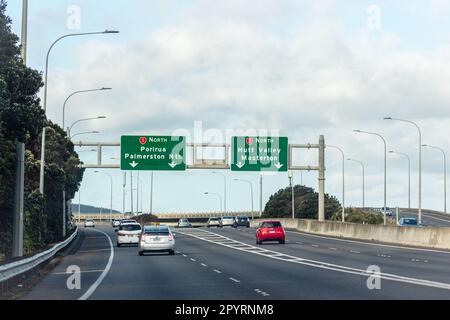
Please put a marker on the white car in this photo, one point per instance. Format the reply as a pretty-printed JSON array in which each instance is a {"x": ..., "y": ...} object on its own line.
[
  {"x": 184, "y": 223},
  {"x": 213, "y": 222},
  {"x": 386, "y": 211},
  {"x": 156, "y": 239},
  {"x": 227, "y": 222},
  {"x": 115, "y": 223},
  {"x": 123, "y": 221},
  {"x": 128, "y": 233},
  {"x": 89, "y": 223}
]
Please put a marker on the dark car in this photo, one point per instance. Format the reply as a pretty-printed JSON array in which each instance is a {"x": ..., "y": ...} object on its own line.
[{"x": 242, "y": 221}]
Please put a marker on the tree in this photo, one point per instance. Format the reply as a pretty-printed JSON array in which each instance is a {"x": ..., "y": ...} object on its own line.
[
  {"x": 22, "y": 119},
  {"x": 306, "y": 204}
]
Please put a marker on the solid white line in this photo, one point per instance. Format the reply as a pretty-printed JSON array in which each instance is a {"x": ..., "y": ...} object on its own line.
[
  {"x": 87, "y": 271},
  {"x": 97, "y": 282},
  {"x": 95, "y": 250},
  {"x": 367, "y": 243}
]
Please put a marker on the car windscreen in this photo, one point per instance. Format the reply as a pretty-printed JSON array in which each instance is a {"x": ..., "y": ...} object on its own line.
[
  {"x": 411, "y": 222},
  {"x": 227, "y": 218},
  {"x": 156, "y": 233},
  {"x": 130, "y": 227},
  {"x": 213, "y": 219},
  {"x": 242, "y": 218},
  {"x": 271, "y": 225}
]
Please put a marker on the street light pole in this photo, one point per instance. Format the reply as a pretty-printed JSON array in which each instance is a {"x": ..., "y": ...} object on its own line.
[
  {"x": 224, "y": 190},
  {"x": 385, "y": 163},
  {"x": 124, "y": 184},
  {"x": 111, "y": 193},
  {"x": 251, "y": 191},
  {"x": 81, "y": 133},
  {"x": 343, "y": 179},
  {"x": 151, "y": 193},
  {"x": 445, "y": 172},
  {"x": 420, "y": 162},
  {"x": 71, "y": 95},
  {"x": 363, "y": 180},
  {"x": 220, "y": 199},
  {"x": 409, "y": 174},
  {"x": 42, "y": 166},
  {"x": 69, "y": 130},
  {"x": 291, "y": 176},
  {"x": 260, "y": 194}
]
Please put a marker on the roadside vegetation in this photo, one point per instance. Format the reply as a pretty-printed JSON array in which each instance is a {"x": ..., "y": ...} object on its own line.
[
  {"x": 356, "y": 215},
  {"x": 306, "y": 199},
  {"x": 22, "y": 120}
]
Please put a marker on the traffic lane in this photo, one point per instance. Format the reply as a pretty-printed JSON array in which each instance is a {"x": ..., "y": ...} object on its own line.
[
  {"x": 429, "y": 219},
  {"x": 287, "y": 280},
  {"x": 159, "y": 276},
  {"x": 410, "y": 263},
  {"x": 91, "y": 258}
]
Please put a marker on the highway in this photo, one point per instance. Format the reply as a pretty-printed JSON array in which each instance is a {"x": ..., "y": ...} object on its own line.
[
  {"x": 430, "y": 219},
  {"x": 225, "y": 264}
]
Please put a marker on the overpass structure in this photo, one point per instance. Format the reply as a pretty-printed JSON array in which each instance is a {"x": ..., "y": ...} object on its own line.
[{"x": 168, "y": 215}]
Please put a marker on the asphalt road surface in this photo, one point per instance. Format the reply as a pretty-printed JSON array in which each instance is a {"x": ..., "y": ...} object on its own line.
[
  {"x": 226, "y": 264},
  {"x": 430, "y": 219}
]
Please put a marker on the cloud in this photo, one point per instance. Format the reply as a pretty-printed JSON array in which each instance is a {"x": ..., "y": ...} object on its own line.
[{"x": 230, "y": 73}]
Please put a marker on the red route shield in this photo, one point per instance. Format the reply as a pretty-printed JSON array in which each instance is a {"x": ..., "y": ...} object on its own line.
[{"x": 143, "y": 140}]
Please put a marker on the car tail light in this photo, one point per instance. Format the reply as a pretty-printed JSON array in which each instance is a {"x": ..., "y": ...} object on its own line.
[{"x": 170, "y": 237}]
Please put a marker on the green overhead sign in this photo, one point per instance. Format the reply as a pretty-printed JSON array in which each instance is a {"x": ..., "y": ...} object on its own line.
[
  {"x": 153, "y": 153},
  {"x": 259, "y": 154}
]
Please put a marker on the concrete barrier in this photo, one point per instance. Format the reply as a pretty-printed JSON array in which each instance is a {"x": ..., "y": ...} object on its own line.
[{"x": 426, "y": 237}]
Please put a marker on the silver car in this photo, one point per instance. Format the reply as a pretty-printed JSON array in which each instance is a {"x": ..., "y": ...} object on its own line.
[
  {"x": 213, "y": 222},
  {"x": 156, "y": 239},
  {"x": 184, "y": 223},
  {"x": 227, "y": 222},
  {"x": 89, "y": 223}
]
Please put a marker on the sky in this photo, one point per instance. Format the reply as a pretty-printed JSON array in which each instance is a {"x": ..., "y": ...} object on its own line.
[{"x": 214, "y": 68}]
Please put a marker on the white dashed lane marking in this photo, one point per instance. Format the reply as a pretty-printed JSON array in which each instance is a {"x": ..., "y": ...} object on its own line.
[
  {"x": 237, "y": 245},
  {"x": 234, "y": 280},
  {"x": 264, "y": 294},
  {"x": 217, "y": 271}
]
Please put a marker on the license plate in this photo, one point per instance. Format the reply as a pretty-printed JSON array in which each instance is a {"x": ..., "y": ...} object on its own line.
[{"x": 271, "y": 231}]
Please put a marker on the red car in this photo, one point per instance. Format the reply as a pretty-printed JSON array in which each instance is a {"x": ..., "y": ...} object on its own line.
[{"x": 270, "y": 230}]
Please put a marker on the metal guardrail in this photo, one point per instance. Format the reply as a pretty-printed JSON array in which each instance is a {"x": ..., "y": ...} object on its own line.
[{"x": 16, "y": 268}]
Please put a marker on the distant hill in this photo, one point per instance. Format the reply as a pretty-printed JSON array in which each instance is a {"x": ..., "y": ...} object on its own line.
[{"x": 90, "y": 209}]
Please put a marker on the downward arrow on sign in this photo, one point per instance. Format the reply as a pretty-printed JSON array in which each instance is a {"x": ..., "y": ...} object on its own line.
[
  {"x": 173, "y": 164},
  {"x": 239, "y": 165},
  {"x": 278, "y": 165},
  {"x": 134, "y": 164}
]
